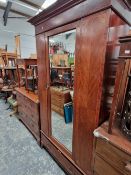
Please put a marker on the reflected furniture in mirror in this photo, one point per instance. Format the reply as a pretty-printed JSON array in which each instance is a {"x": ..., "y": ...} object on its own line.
[
  {"x": 97, "y": 27},
  {"x": 61, "y": 57},
  {"x": 29, "y": 112}
]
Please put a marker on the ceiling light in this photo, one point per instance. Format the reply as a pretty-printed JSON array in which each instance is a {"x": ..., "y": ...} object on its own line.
[
  {"x": 47, "y": 3},
  {"x": 38, "y": 11},
  {"x": 4, "y": 1}
]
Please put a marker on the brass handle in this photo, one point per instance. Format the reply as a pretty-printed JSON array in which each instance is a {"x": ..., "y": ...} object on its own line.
[{"x": 128, "y": 166}]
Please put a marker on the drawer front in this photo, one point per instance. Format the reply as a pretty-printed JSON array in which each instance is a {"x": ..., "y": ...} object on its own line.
[
  {"x": 28, "y": 107},
  {"x": 33, "y": 127},
  {"x": 29, "y": 114},
  {"x": 65, "y": 163},
  {"x": 101, "y": 167},
  {"x": 114, "y": 156}
]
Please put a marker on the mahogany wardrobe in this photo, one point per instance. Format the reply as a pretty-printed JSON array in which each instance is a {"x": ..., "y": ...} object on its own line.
[{"x": 96, "y": 26}]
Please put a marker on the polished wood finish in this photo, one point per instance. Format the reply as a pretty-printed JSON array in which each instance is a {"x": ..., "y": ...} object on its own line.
[
  {"x": 43, "y": 85},
  {"x": 113, "y": 152},
  {"x": 53, "y": 17},
  {"x": 98, "y": 25},
  {"x": 28, "y": 109},
  {"x": 123, "y": 71},
  {"x": 88, "y": 85},
  {"x": 60, "y": 156}
]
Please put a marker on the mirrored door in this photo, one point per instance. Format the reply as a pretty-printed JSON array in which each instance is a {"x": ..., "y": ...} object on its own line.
[{"x": 62, "y": 66}]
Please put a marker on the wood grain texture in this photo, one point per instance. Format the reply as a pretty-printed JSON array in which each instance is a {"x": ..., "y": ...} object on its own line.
[
  {"x": 95, "y": 30},
  {"x": 42, "y": 82},
  {"x": 114, "y": 156},
  {"x": 29, "y": 112},
  {"x": 53, "y": 17},
  {"x": 102, "y": 167},
  {"x": 117, "y": 28},
  {"x": 119, "y": 74},
  {"x": 112, "y": 153},
  {"x": 90, "y": 60}
]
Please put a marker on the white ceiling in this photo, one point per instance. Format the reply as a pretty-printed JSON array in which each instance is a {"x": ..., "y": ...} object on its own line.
[{"x": 21, "y": 6}]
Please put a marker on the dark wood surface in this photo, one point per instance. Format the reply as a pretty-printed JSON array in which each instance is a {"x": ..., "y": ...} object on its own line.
[
  {"x": 42, "y": 83},
  {"x": 123, "y": 71},
  {"x": 29, "y": 111},
  {"x": 33, "y": 97},
  {"x": 96, "y": 42},
  {"x": 26, "y": 61},
  {"x": 113, "y": 152},
  {"x": 117, "y": 28},
  {"x": 88, "y": 85},
  {"x": 53, "y": 17}
]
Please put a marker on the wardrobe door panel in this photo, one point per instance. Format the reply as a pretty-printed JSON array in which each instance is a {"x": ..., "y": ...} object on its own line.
[
  {"x": 90, "y": 60},
  {"x": 42, "y": 82}
]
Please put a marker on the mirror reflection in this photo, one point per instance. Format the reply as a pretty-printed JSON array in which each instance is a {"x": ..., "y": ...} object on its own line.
[{"x": 62, "y": 64}]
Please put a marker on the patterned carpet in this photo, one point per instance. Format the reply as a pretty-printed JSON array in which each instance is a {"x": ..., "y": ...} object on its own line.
[{"x": 19, "y": 152}]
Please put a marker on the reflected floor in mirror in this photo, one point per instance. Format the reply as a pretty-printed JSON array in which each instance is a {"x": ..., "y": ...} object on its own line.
[{"x": 62, "y": 131}]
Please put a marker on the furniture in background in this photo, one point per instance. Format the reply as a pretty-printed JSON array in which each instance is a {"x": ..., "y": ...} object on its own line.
[
  {"x": 112, "y": 152},
  {"x": 10, "y": 76},
  {"x": 30, "y": 69},
  {"x": 28, "y": 109},
  {"x": 121, "y": 108},
  {"x": 58, "y": 58},
  {"x": 9, "y": 58},
  {"x": 59, "y": 97},
  {"x": 64, "y": 76},
  {"x": 98, "y": 25}
]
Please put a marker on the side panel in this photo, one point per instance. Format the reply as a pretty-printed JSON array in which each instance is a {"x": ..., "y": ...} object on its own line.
[
  {"x": 117, "y": 29},
  {"x": 90, "y": 60},
  {"x": 42, "y": 82}
]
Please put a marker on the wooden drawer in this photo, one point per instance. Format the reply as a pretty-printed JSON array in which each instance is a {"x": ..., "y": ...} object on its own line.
[
  {"x": 103, "y": 168},
  {"x": 31, "y": 115},
  {"x": 114, "y": 156},
  {"x": 33, "y": 127},
  {"x": 58, "y": 155}
]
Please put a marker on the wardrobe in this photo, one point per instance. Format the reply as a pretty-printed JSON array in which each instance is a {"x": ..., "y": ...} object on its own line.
[{"x": 97, "y": 25}]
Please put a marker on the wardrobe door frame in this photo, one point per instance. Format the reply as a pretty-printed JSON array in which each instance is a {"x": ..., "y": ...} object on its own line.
[{"x": 62, "y": 29}]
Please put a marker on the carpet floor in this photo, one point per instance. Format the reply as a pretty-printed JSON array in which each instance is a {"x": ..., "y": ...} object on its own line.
[{"x": 19, "y": 152}]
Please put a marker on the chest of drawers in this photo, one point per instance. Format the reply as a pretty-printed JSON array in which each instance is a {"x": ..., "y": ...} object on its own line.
[
  {"x": 28, "y": 109},
  {"x": 112, "y": 153},
  {"x": 58, "y": 98}
]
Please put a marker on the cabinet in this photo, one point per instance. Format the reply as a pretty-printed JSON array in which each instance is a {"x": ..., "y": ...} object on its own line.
[
  {"x": 112, "y": 152},
  {"x": 98, "y": 25},
  {"x": 59, "y": 98},
  {"x": 29, "y": 111}
]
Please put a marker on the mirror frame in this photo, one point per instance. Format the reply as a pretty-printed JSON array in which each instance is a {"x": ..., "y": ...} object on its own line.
[{"x": 48, "y": 34}]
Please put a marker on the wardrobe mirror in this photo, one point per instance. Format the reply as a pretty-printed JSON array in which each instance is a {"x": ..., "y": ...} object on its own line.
[{"x": 62, "y": 65}]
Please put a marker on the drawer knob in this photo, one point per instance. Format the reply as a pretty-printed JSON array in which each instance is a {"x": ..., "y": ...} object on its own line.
[{"x": 128, "y": 166}]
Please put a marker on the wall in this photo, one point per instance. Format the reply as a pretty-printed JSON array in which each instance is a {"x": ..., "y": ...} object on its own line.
[{"x": 15, "y": 27}]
